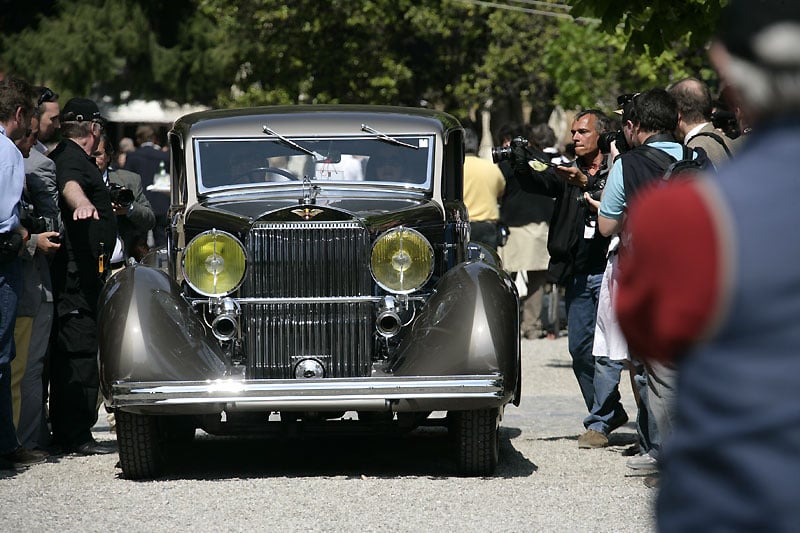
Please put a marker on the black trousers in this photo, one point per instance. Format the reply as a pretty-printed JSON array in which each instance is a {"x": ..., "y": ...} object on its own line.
[
  {"x": 74, "y": 380},
  {"x": 484, "y": 233}
]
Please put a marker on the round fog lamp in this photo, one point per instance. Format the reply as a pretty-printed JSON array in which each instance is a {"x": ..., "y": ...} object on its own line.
[
  {"x": 402, "y": 260},
  {"x": 214, "y": 263}
]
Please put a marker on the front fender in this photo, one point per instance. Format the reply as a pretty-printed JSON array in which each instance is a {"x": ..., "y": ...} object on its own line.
[
  {"x": 148, "y": 332},
  {"x": 469, "y": 326}
]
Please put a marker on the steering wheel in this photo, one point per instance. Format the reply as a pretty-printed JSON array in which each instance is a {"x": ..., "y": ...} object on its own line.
[{"x": 246, "y": 176}]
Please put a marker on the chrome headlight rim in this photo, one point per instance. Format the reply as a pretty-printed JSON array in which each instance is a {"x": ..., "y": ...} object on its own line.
[
  {"x": 188, "y": 246},
  {"x": 430, "y": 256}
]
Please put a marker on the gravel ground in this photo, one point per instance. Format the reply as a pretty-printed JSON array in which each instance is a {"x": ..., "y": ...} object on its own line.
[{"x": 544, "y": 482}]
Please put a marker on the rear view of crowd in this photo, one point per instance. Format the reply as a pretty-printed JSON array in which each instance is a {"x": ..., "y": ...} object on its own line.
[
  {"x": 64, "y": 225},
  {"x": 674, "y": 240}
]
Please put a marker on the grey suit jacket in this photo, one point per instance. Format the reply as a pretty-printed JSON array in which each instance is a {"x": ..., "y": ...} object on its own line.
[
  {"x": 714, "y": 150},
  {"x": 140, "y": 218},
  {"x": 40, "y": 191}
]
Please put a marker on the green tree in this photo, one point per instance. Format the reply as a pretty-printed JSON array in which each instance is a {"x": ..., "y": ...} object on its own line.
[
  {"x": 590, "y": 67},
  {"x": 655, "y": 24}
]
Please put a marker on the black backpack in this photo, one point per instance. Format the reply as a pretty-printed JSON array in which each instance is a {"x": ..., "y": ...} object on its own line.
[{"x": 688, "y": 166}]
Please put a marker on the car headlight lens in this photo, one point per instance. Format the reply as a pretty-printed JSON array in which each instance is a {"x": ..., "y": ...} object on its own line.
[
  {"x": 402, "y": 260},
  {"x": 214, "y": 263}
]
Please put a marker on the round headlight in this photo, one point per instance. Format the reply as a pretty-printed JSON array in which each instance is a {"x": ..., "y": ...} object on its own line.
[
  {"x": 214, "y": 263},
  {"x": 402, "y": 260}
]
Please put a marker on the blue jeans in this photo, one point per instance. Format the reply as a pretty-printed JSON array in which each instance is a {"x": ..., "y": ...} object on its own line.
[
  {"x": 10, "y": 281},
  {"x": 598, "y": 377}
]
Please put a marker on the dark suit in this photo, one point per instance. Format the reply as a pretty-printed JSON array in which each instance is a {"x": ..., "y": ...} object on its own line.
[
  {"x": 146, "y": 161},
  {"x": 35, "y": 308},
  {"x": 134, "y": 226}
]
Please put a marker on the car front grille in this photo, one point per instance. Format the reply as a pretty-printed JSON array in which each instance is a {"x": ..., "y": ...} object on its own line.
[{"x": 308, "y": 260}]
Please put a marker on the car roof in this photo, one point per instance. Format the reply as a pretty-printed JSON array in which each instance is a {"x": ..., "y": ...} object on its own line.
[{"x": 314, "y": 120}]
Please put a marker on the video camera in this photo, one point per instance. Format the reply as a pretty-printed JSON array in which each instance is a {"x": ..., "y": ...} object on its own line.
[
  {"x": 506, "y": 153},
  {"x": 121, "y": 195}
]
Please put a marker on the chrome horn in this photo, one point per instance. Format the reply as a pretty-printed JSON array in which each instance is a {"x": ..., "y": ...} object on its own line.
[
  {"x": 225, "y": 325},
  {"x": 388, "y": 322}
]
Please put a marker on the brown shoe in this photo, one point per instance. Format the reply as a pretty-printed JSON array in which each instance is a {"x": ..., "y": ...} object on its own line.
[
  {"x": 592, "y": 439},
  {"x": 22, "y": 458},
  {"x": 651, "y": 482}
]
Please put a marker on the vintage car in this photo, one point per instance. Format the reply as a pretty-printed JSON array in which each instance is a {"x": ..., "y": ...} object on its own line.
[{"x": 318, "y": 271}]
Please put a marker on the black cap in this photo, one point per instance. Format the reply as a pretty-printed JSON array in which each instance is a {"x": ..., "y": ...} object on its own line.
[
  {"x": 766, "y": 32},
  {"x": 79, "y": 110}
]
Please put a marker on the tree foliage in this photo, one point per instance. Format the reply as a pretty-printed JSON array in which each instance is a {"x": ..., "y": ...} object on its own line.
[
  {"x": 454, "y": 55},
  {"x": 655, "y": 25}
]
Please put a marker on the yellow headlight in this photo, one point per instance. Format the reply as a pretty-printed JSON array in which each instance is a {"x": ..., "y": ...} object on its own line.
[
  {"x": 214, "y": 263},
  {"x": 402, "y": 260}
]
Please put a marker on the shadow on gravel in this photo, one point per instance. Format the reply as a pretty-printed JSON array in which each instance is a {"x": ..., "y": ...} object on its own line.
[
  {"x": 557, "y": 363},
  {"x": 425, "y": 452},
  {"x": 617, "y": 438}
]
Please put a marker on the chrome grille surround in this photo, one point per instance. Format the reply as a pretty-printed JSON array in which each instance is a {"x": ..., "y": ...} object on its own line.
[{"x": 315, "y": 279}]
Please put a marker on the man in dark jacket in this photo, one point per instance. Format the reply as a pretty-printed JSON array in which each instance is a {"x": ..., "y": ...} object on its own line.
[
  {"x": 149, "y": 160},
  {"x": 79, "y": 270},
  {"x": 134, "y": 218},
  {"x": 578, "y": 260}
]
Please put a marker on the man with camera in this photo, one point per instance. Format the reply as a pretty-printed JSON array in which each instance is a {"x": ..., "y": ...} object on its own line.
[
  {"x": 649, "y": 118},
  {"x": 721, "y": 300},
  {"x": 134, "y": 215},
  {"x": 577, "y": 261},
  {"x": 694, "y": 121},
  {"x": 79, "y": 270}
]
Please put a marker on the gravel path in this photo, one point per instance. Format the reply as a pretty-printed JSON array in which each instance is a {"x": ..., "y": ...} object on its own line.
[{"x": 544, "y": 482}]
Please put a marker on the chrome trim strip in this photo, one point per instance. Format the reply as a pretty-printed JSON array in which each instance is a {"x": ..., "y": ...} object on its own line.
[
  {"x": 284, "y": 391},
  {"x": 312, "y": 300}
]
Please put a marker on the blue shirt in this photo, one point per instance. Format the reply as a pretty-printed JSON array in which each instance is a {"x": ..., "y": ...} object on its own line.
[
  {"x": 614, "y": 203},
  {"x": 12, "y": 177}
]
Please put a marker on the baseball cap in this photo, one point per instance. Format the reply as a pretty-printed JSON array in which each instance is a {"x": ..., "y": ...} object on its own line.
[
  {"x": 624, "y": 101},
  {"x": 81, "y": 109},
  {"x": 766, "y": 32}
]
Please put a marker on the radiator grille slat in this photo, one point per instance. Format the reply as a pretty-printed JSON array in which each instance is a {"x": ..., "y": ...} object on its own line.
[{"x": 308, "y": 260}]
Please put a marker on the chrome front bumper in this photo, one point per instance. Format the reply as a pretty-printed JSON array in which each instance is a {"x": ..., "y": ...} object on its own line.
[{"x": 370, "y": 394}]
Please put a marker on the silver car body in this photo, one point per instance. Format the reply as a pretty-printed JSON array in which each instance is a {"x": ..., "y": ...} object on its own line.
[{"x": 311, "y": 331}]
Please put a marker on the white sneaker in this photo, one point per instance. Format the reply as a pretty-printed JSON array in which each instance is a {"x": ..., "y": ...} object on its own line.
[{"x": 643, "y": 461}]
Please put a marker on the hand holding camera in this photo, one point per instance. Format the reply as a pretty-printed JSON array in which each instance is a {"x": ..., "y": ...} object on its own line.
[{"x": 121, "y": 198}]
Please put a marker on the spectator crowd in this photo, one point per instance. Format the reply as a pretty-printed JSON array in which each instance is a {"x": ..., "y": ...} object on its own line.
[{"x": 68, "y": 218}]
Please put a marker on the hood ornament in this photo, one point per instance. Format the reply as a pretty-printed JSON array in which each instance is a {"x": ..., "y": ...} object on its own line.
[
  {"x": 307, "y": 213},
  {"x": 310, "y": 192}
]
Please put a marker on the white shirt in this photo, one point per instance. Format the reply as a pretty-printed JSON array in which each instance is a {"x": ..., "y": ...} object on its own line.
[{"x": 12, "y": 178}]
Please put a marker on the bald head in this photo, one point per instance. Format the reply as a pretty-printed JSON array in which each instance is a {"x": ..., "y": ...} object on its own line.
[{"x": 694, "y": 101}]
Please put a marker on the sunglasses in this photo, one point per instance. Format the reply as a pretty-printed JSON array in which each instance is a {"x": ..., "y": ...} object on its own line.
[{"x": 47, "y": 96}]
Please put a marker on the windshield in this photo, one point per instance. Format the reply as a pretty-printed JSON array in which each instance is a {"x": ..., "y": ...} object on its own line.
[{"x": 225, "y": 163}]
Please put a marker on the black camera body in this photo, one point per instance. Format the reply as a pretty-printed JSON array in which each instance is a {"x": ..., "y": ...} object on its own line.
[
  {"x": 505, "y": 153},
  {"x": 608, "y": 137},
  {"x": 594, "y": 193},
  {"x": 121, "y": 195},
  {"x": 33, "y": 223}
]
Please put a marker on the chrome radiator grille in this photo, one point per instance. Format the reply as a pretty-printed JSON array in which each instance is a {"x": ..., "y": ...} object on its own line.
[{"x": 308, "y": 260}]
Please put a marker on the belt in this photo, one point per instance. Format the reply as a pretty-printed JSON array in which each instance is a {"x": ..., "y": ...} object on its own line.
[{"x": 117, "y": 265}]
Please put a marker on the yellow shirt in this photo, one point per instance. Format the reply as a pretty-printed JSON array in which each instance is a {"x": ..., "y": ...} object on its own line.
[{"x": 483, "y": 186}]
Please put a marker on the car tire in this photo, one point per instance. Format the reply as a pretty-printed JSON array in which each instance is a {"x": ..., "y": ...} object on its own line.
[
  {"x": 140, "y": 453},
  {"x": 176, "y": 431},
  {"x": 476, "y": 437}
]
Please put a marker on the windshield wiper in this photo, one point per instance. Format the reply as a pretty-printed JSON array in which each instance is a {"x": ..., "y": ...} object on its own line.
[
  {"x": 315, "y": 155},
  {"x": 386, "y": 138}
]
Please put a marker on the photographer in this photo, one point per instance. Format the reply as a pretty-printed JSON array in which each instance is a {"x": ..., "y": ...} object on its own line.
[
  {"x": 134, "y": 215},
  {"x": 577, "y": 260},
  {"x": 649, "y": 119}
]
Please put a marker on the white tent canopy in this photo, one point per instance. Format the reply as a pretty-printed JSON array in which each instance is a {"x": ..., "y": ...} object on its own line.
[{"x": 147, "y": 111}]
